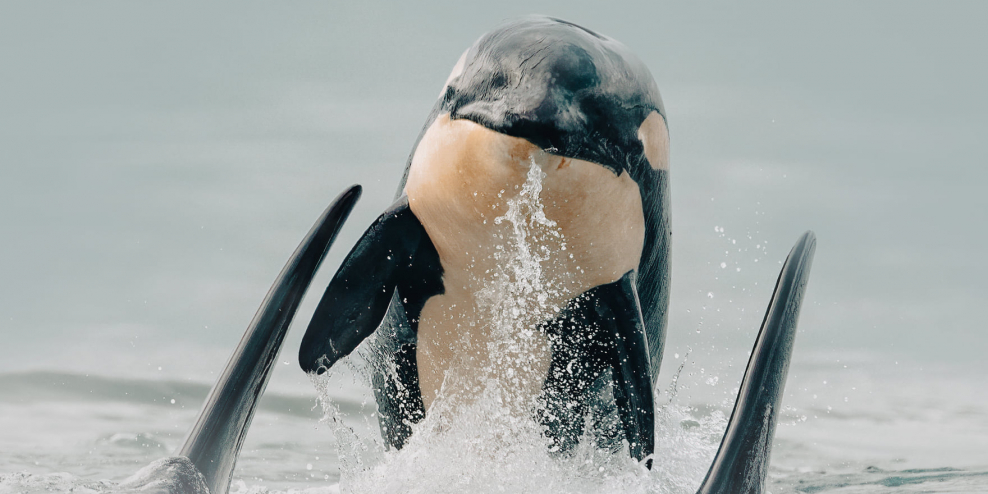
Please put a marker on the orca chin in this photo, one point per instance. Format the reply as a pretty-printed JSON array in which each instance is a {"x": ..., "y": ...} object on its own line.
[{"x": 204, "y": 464}]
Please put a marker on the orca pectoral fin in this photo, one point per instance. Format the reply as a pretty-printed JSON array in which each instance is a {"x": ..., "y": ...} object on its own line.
[
  {"x": 742, "y": 460},
  {"x": 358, "y": 297},
  {"x": 600, "y": 329},
  {"x": 214, "y": 442},
  {"x": 631, "y": 367}
]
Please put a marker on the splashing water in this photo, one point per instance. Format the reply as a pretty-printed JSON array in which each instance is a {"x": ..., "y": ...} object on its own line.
[
  {"x": 523, "y": 291},
  {"x": 488, "y": 440}
]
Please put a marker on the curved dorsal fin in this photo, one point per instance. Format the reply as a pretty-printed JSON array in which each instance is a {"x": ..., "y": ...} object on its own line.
[
  {"x": 742, "y": 460},
  {"x": 214, "y": 442}
]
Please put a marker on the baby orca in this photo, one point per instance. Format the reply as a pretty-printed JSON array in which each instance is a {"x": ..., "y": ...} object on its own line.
[{"x": 585, "y": 114}]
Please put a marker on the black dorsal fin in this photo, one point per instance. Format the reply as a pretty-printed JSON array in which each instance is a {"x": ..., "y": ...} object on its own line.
[
  {"x": 742, "y": 460},
  {"x": 214, "y": 442}
]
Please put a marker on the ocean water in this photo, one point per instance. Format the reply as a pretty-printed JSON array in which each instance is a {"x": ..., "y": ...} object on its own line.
[
  {"x": 158, "y": 164},
  {"x": 77, "y": 433}
]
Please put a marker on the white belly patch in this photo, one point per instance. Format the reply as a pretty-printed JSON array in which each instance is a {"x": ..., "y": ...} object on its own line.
[{"x": 519, "y": 233}]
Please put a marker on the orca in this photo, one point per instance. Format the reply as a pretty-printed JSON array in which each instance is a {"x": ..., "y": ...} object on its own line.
[
  {"x": 204, "y": 464},
  {"x": 583, "y": 112}
]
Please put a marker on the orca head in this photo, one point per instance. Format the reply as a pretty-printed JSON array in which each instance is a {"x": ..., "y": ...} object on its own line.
[{"x": 566, "y": 89}]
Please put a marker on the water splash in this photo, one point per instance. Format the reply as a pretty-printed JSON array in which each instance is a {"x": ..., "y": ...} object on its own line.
[
  {"x": 525, "y": 289},
  {"x": 487, "y": 439}
]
